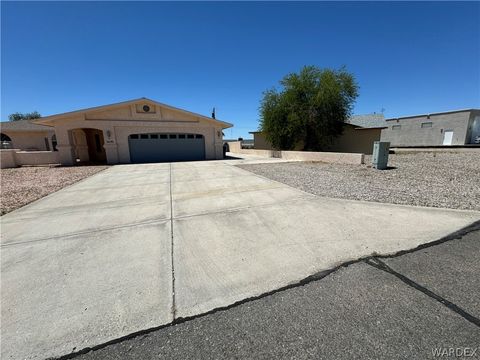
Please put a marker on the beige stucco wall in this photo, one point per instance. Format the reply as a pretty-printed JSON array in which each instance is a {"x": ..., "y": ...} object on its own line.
[
  {"x": 7, "y": 158},
  {"x": 356, "y": 140},
  {"x": 117, "y": 124},
  {"x": 36, "y": 157},
  {"x": 328, "y": 157},
  {"x": 351, "y": 141},
  {"x": 260, "y": 143},
  {"x": 14, "y": 157},
  {"x": 30, "y": 140},
  {"x": 234, "y": 146}
]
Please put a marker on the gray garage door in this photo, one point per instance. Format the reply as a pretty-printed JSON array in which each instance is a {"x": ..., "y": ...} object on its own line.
[{"x": 145, "y": 148}]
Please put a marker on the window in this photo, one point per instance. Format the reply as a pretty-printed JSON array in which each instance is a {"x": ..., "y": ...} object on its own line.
[
  {"x": 134, "y": 136},
  {"x": 396, "y": 127},
  {"x": 190, "y": 136},
  {"x": 163, "y": 136},
  {"x": 181, "y": 136},
  {"x": 172, "y": 136},
  {"x": 426, "y": 125},
  {"x": 198, "y": 136},
  {"x": 144, "y": 136},
  {"x": 154, "y": 136},
  {"x": 98, "y": 145}
]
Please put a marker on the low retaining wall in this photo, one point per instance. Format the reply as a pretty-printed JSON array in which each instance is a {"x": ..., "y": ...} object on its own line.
[
  {"x": 14, "y": 157},
  {"x": 234, "y": 146},
  {"x": 7, "y": 158},
  {"x": 327, "y": 157}
]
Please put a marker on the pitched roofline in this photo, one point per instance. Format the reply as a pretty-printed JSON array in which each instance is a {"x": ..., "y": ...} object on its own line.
[
  {"x": 429, "y": 114},
  {"x": 357, "y": 127},
  {"x": 45, "y": 119},
  {"x": 19, "y": 125}
]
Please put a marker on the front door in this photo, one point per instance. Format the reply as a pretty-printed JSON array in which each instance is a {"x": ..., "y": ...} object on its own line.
[{"x": 447, "y": 137}]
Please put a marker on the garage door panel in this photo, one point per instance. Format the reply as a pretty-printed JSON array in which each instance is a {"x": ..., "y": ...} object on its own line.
[{"x": 166, "y": 147}]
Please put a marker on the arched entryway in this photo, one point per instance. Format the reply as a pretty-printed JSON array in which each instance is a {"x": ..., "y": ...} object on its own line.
[
  {"x": 5, "y": 141},
  {"x": 88, "y": 146}
]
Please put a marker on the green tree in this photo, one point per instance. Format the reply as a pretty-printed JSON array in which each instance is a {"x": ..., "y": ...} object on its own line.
[
  {"x": 27, "y": 116},
  {"x": 309, "y": 109}
]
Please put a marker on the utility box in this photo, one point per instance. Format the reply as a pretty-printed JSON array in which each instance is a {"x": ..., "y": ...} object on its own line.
[{"x": 380, "y": 155}]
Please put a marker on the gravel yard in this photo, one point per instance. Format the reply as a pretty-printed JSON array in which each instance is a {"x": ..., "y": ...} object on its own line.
[
  {"x": 447, "y": 180},
  {"x": 23, "y": 185}
]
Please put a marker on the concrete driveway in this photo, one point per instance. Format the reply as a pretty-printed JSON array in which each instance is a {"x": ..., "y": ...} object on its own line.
[{"x": 137, "y": 246}]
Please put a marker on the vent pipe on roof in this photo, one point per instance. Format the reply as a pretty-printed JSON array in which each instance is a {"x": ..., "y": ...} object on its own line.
[{"x": 213, "y": 113}]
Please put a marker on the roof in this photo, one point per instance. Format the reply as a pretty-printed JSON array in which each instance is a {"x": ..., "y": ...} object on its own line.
[
  {"x": 47, "y": 119},
  {"x": 23, "y": 125},
  {"x": 371, "y": 121},
  {"x": 367, "y": 120},
  {"x": 435, "y": 113}
]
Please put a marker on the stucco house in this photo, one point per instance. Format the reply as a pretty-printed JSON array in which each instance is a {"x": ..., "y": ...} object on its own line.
[
  {"x": 25, "y": 135},
  {"x": 134, "y": 131},
  {"x": 359, "y": 133}
]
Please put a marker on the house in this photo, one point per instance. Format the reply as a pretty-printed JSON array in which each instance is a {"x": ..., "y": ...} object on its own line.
[
  {"x": 458, "y": 127},
  {"x": 359, "y": 133},
  {"x": 374, "y": 120},
  {"x": 135, "y": 131},
  {"x": 25, "y": 135}
]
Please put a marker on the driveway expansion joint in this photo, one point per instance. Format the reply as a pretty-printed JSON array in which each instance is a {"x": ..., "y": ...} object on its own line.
[
  {"x": 174, "y": 306},
  {"x": 87, "y": 232},
  {"x": 378, "y": 264}
]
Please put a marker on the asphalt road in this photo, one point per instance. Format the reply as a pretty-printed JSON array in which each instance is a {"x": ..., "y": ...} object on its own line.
[{"x": 404, "y": 307}]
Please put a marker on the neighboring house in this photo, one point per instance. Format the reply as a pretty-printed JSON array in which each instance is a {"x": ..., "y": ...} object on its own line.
[
  {"x": 367, "y": 121},
  {"x": 459, "y": 127},
  {"x": 25, "y": 135},
  {"x": 359, "y": 133},
  {"x": 135, "y": 131}
]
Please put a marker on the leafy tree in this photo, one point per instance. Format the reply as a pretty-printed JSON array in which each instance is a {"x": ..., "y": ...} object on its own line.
[
  {"x": 27, "y": 116},
  {"x": 310, "y": 108}
]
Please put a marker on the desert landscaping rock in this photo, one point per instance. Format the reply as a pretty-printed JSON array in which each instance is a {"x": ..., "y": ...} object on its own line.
[
  {"x": 446, "y": 180},
  {"x": 23, "y": 185}
]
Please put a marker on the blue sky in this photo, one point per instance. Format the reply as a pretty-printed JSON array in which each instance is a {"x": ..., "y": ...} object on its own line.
[{"x": 407, "y": 57}]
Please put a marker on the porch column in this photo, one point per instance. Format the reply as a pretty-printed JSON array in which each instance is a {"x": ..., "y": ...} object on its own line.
[
  {"x": 111, "y": 152},
  {"x": 65, "y": 154}
]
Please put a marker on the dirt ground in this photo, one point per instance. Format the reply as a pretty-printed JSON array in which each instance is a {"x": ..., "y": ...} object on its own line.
[{"x": 445, "y": 180}]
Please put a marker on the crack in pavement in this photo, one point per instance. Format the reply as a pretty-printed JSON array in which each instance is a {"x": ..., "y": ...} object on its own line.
[{"x": 378, "y": 264}]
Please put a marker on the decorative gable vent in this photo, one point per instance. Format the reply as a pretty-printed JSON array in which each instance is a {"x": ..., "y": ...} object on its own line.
[{"x": 145, "y": 108}]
